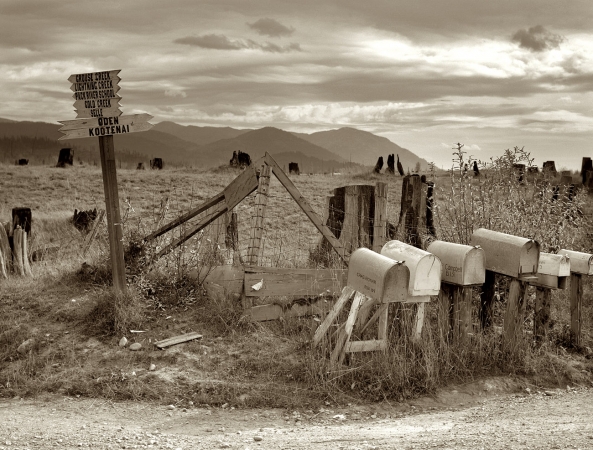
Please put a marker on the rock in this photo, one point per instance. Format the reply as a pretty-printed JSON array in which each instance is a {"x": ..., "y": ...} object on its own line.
[
  {"x": 26, "y": 346},
  {"x": 171, "y": 407},
  {"x": 135, "y": 346},
  {"x": 258, "y": 438},
  {"x": 549, "y": 393},
  {"x": 123, "y": 341},
  {"x": 152, "y": 367}
]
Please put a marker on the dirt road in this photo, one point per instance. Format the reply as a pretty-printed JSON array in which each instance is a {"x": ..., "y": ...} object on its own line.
[{"x": 532, "y": 419}]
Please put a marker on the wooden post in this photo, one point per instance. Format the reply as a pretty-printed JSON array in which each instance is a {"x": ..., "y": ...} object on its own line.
[
  {"x": 349, "y": 235},
  {"x": 576, "y": 305},
  {"x": 586, "y": 165},
  {"x": 430, "y": 229},
  {"x": 487, "y": 300},
  {"x": 5, "y": 249},
  {"x": 17, "y": 250},
  {"x": 513, "y": 317},
  {"x": 261, "y": 202},
  {"x": 114, "y": 225},
  {"x": 411, "y": 226},
  {"x": 380, "y": 219},
  {"x": 445, "y": 313},
  {"x": 462, "y": 312},
  {"x": 541, "y": 320},
  {"x": 26, "y": 266},
  {"x": 419, "y": 321}
]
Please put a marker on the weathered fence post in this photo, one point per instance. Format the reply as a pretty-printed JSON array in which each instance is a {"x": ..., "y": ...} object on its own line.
[
  {"x": 411, "y": 226},
  {"x": 586, "y": 166},
  {"x": 261, "y": 202},
  {"x": 17, "y": 250},
  {"x": 380, "y": 219},
  {"x": 5, "y": 251},
  {"x": 357, "y": 216},
  {"x": 26, "y": 266}
]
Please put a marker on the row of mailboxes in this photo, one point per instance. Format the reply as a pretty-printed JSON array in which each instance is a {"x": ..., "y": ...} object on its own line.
[{"x": 403, "y": 273}]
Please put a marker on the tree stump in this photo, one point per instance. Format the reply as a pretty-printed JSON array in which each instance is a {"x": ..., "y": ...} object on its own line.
[
  {"x": 22, "y": 217},
  {"x": 356, "y": 215}
]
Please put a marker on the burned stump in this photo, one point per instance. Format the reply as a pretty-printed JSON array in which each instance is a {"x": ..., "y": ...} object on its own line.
[{"x": 66, "y": 157}]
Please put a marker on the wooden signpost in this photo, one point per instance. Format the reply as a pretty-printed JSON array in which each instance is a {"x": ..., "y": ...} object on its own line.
[{"x": 98, "y": 115}]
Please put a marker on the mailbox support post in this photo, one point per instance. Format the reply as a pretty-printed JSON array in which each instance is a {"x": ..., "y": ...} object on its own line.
[
  {"x": 513, "y": 317},
  {"x": 462, "y": 312},
  {"x": 487, "y": 300},
  {"x": 576, "y": 304},
  {"x": 541, "y": 320},
  {"x": 455, "y": 312}
]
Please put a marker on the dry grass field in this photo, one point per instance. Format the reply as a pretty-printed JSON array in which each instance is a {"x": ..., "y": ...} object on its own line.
[{"x": 72, "y": 322}]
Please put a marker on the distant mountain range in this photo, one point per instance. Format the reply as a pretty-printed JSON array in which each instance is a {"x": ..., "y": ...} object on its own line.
[{"x": 207, "y": 147}]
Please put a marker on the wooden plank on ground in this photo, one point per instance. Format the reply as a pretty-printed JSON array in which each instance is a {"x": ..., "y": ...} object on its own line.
[
  {"x": 299, "y": 282},
  {"x": 178, "y": 339},
  {"x": 304, "y": 205},
  {"x": 274, "y": 311},
  {"x": 366, "y": 346}
]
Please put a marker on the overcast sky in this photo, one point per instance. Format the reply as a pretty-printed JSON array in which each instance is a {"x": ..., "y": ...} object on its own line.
[{"x": 425, "y": 74}]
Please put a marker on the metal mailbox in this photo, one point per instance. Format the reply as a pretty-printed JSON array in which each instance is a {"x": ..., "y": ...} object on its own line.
[
  {"x": 462, "y": 265},
  {"x": 552, "y": 271},
  {"x": 378, "y": 276},
  {"x": 424, "y": 267},
  {"x": 579, "y": 262},
  {"x": 506, "y": 254}
]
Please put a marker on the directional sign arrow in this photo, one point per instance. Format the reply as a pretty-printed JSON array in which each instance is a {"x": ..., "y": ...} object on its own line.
[
  {"x": 99, "y": 103},
  {"x": 105, "y": 126},
  {"x": 77, "y": 124},
  {"x": 95, "y": 76},
  {"x": 86, "y": 113},
  {"x": 93, "y": 89}
]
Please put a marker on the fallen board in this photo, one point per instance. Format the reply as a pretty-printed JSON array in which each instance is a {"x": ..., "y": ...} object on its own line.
[
  {"x": 298, "y": 282},
  {"x": 274, "y": 311},
  {"x": 178, "y": 339}
]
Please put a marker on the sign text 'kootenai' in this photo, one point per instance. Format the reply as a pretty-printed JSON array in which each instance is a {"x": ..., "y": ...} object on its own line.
[{"x": 105, "y": 126}]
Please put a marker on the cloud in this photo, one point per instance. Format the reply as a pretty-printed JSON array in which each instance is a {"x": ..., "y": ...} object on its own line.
[
  {"x": 214, "y": 41},
  {"x": 537, "y": 38},
  {"x": 175, "y": 93},
  {"x": 270, "y": 27},
  {"x": 221, "y": 42}
]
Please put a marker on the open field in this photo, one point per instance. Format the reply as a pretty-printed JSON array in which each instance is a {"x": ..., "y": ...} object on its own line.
[{"x": 66, "y": 309}]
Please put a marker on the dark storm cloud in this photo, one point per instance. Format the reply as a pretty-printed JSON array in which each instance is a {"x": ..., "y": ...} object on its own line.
[
  {"x": 221, "y": 42},
  {"x": 537, "y": 38},
  {"x": 270, "y": 27}
]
